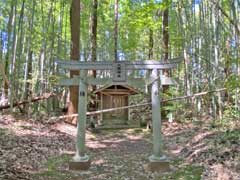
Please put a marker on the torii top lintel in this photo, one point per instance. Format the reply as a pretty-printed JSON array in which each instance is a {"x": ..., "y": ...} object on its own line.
[{"x": 127, "y": 65}]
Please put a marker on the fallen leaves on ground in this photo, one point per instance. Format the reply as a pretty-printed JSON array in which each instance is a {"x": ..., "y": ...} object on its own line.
[{"x": 36, "y": 151}]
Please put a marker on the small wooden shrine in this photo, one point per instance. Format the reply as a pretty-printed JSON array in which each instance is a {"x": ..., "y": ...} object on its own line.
[{"x": 114, "y": 96}]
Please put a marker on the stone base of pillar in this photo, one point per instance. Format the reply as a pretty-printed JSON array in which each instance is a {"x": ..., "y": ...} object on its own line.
[
  {"x": 78, "y": 166},
  {"x": 80, "y": 163},
  {"x": 160, "y": 165}
]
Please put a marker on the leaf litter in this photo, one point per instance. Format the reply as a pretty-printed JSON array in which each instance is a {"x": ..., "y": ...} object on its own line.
[{"x": 34, "y": 150}]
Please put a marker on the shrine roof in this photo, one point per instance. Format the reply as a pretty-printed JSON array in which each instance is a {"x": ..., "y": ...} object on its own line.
[{"x": 117, "y": 89}]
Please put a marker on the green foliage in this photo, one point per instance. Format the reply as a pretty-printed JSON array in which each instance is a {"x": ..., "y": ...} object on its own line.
[
  {"x": 187, "y": 172},
  {"x": 233, "y": 82},
  {"x": 228, "y": 137},
  {"x": 172, "y": 105},
  {"x": 53, "y": 171},
  {"x": 232, "y": 135},
  {"x": 2, "y": 132},
  {"x": 204, "y": 31},
  {"x": 54, "y": 79},
  {"x": 231, "y": 113}
]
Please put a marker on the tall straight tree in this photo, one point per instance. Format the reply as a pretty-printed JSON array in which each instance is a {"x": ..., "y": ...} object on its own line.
[
  {"x": 165, "y": 32},
  {"x": 93, "y": 41},
  {"x": 93, "y": 32},
  {"x": 115, "y": 30},
  {"x": 165, "y": 43},
  {"x": 151, "y": 43},
  {"x": 10, "y": 24},
  {"x": 75, "y": 38},
  {"x": 28, "y": 58}
]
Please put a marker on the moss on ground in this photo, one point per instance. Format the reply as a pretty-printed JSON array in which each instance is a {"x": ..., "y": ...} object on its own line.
[
  {"x": 53, "y": 169},
  {"x": 55, "y": 164},
  {"x": 3, "y": 132},
  {"x": 187, "y": 172}
]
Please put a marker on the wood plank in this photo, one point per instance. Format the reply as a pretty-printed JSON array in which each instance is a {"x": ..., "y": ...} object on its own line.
[
  {"x": 116, "y": 90},
  {"x": 116, "y": 93}
]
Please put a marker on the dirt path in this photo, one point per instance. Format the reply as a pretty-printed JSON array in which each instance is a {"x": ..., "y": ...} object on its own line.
[{"x": 30, "y": 150}]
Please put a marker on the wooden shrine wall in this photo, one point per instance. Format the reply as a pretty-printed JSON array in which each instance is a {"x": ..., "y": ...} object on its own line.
[{"x": 115, "y": 101}]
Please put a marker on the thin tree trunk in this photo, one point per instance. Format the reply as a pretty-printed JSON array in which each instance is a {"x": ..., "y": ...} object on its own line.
[
  {"x": 52, "y": 104},
  {"x": 165, "y": 43},
  {"x": 27, "y": 93},
  {"x": 19, "y": 50},
  {"x": 13, "y": 63},
  {"x": 150, "y": 56},
  {"x": 93, "y": 46},
  {"x": 9, "y": 42},
  {"x": 28, "y": 76},
  {"x": 93, "y": 35},
  {"x": 60, "y": 29},
  {"x": 151, "y": 43},
  {"x": 116, "y": 30},
  {"x": 1, "y": 43},
  {"x": 165, "y": 35},
  {"x": 186, "y": 73},
  {"x": 216, "y": 56},
  {"x": 236, "y": 17}
]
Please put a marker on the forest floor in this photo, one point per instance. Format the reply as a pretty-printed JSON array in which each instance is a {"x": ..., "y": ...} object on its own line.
[{"x": 40, "y": 150}]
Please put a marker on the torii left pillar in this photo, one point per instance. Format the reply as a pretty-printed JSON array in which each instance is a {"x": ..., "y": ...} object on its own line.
[{"x": 81, "y": 160}]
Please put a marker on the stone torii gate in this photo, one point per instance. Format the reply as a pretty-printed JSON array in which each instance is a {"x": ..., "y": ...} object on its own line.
[{"x": 81, "y": 160}]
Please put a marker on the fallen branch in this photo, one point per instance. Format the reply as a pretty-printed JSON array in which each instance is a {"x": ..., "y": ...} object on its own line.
[
  {"x": 45, "y": 96},
  {"x": 101, "y": 111},
  {"x": 194, "y": 95},
  {"x": 144, "y": 104}
]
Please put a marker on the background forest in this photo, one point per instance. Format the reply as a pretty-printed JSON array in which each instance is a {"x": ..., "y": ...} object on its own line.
[{"x": 35, "y": 33}]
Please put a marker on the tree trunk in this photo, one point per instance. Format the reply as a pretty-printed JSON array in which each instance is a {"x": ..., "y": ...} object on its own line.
[
  {"x": 9, "y": 27},
  {"x": 93, "y": 35},
  {"x": 75, "y": 42},
  {"x": 116, "y": 30},
  {"x": 150, "y": 56},
  {"x": 12, "y": 67},
  {"x": 1, "y": 43},
  {"x": 165, "y": 42},
  {"x": 150, "y": 53},
  {"x": 93, "y": 41},
  {"x": 27, "y": 93},
  {"x": 165, "y": 35},
  {"x": 20, "y": 49}
]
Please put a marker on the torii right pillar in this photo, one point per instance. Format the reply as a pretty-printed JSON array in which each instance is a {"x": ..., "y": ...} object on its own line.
[{"x": 158, "y": 161}]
